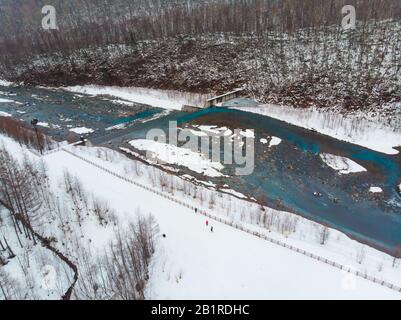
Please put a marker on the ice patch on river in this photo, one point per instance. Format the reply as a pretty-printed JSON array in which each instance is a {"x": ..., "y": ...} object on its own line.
[
  {"x": 352, "y": 128},
  {"x": 211, "y": 130},
  {"x": 162, "y": 152},
  {"x": 4, "y": 114},
  {"x": 274, "y": 142},
  {"x": 82, "y": 130},
  {"x": 341, "y": 164},
  {"x": 234, "y": 193},
  {"x": 375, "y": 190}
]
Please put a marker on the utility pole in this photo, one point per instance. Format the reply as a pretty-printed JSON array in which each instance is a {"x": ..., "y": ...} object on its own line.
[{"x": 34, "y": 123}]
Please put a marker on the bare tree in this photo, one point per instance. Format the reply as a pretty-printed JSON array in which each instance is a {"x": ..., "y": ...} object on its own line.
[{"x": 323, "y": 234}]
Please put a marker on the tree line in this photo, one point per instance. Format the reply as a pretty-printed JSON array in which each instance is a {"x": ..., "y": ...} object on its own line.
[
  {"x": 40, "y": 226},
  {"x": 85, "y": 23},
  {"x": 20, "y": 132}
]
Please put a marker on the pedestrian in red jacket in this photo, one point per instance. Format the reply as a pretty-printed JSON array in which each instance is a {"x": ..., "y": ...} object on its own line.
[{"x": 207, "y": 223}]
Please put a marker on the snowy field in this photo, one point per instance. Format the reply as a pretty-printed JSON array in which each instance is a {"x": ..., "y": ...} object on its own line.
[
  {"x": 166, "y": 99},
  {"x": 353, "y": 128},
  {"x": 193, "y": 263}
]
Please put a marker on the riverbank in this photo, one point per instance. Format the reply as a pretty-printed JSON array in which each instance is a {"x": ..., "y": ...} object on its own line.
[
  {"x": 373, "y": 131},
  {"x": 288, "y": 175}
]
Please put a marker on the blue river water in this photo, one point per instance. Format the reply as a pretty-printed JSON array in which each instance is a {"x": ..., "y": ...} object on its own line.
[{"x": 289, "y": 175}]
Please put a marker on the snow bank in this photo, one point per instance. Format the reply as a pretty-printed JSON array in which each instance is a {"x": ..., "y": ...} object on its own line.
[
  {"x": 4, "y": 114},
  {"x": 166, "y": 99},
  {"x": 5, "y": 100},
  {"x": 235, "y": 193},
  {"x": 82, "y": 130},
  {"x": 127, "y": 103},
  {"x": 341, "y": 164},
  {"x": 353, "y": 129},
  {"x": 248, "y": 133},
  {"x": 170, "y": 154},
  {"x": 5, "y": 83}
]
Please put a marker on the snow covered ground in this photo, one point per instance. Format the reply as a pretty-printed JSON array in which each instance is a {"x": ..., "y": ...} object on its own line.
[
  {"x": 353, "y": 128},
  {"x": 166, "y": 99},
  {"x": 4, "y": 114},
  {"x": 6, "y": 101},
  {"x": 161, "y": 152},
  {"x": 286, "y": 227},
  {"x": 5, "y": 83},
  {"x": 193, "y": 263},
  {"x": 82, "y": 130},
  {"x": 341, "y": 164}
]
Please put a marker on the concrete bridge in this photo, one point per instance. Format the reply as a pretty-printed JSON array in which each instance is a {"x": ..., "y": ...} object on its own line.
[{"x": 216, "y": 101}]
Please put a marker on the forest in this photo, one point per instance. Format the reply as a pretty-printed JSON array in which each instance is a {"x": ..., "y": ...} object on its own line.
[{"x": 282, "y": 52}]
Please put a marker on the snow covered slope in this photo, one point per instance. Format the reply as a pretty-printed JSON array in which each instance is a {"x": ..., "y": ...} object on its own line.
[
  {"x": 157, "y": 98},
  {"x": 194, "y": 263}
]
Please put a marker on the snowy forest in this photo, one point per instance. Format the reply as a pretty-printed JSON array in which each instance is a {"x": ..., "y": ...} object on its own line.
[
  {"x": 38, "y": 229},
  {"x": 284, "y": 52}
]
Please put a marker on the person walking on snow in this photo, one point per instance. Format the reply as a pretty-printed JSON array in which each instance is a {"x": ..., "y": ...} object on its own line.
[
  {"x": 207, "y": 223},
  {"x": 211, "y": 229}
]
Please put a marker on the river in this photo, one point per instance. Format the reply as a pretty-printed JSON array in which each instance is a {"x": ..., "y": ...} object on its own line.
[{"x": 288, "y": 175}]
